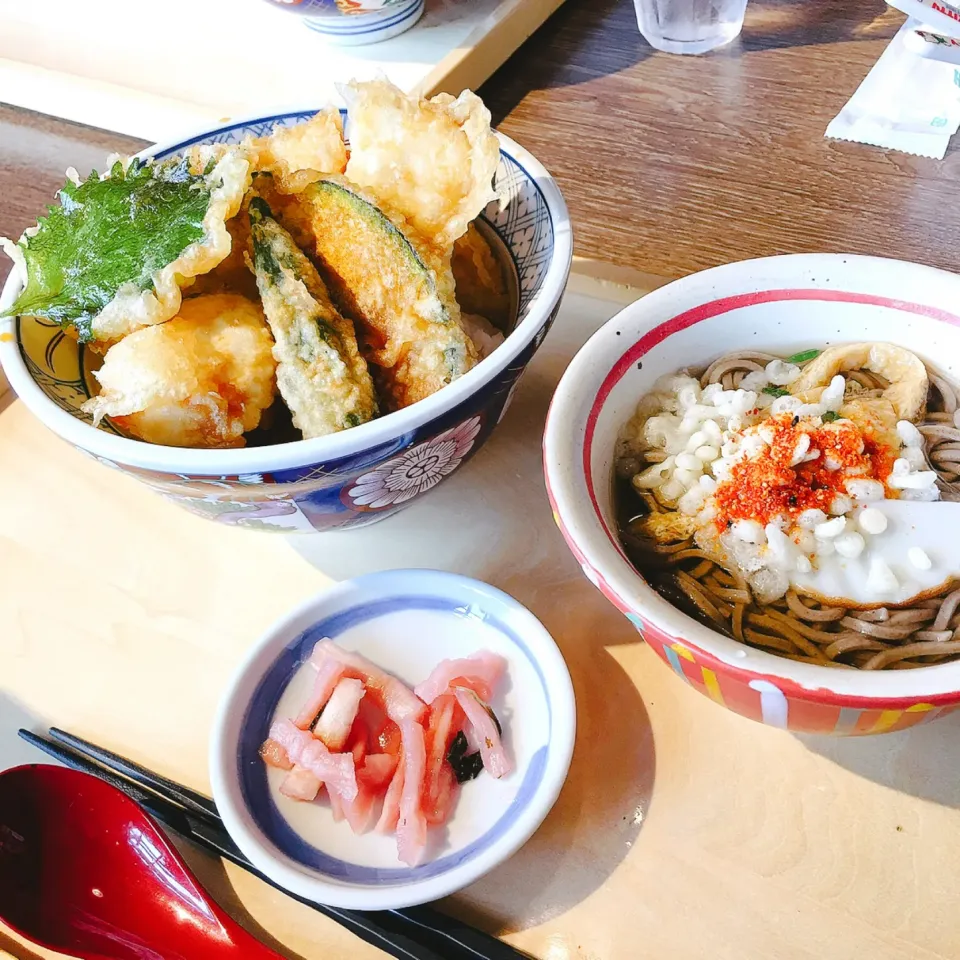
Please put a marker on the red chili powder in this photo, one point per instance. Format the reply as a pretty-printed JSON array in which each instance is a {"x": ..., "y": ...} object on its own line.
[{"x": 766, "y": 486}]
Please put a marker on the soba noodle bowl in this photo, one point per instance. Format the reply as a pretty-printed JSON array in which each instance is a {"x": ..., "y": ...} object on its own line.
[{"x": 734, "y": 482}]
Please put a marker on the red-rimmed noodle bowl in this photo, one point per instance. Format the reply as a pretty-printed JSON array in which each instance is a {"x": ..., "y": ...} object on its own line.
[{"x": 779, "y": 305}]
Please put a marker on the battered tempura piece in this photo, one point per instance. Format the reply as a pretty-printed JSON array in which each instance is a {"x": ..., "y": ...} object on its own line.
[
  {"x": 481, "y": 287},
  {"x": 301, "y": 154},
  {"x": 320, "y": 374},
  {"x": 433, "y": 161},
  {"x": 113, "y": 256},
  {"x": 398, "y": 290},
  {"x": 231, "y": 275},
  {"x": 201, "y": 380}
]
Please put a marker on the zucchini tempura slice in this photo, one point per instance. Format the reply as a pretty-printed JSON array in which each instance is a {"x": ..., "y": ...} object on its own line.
[
  {"x": 398, "y": 290},
  {"x": 320, "y": 374},
  {"x": 303, "y": 153},
  {"x": 433, "y": 161},
  {"x": 111, "y": 258},
  {"x": 202, "y": 379}
]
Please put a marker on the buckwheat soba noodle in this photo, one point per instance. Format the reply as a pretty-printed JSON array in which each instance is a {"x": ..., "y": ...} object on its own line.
[{"x": 734, "y": 484}]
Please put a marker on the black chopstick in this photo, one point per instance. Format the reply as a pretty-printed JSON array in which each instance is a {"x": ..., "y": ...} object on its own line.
[
  {"x": 190, "y": 799},
  {"x": 414, "y": 933}
]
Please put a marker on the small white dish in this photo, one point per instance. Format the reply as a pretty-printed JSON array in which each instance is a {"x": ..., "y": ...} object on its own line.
[{"x": 406, "y": 621}]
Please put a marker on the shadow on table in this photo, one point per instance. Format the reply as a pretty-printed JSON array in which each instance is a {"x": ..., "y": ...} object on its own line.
[
  {"x": 13, "y": 715},
  {"x": 583, "y": 40},
  {"x": 608, "y": 792},
  {"x": 953, "y": 148},
  {"x": 775, "y": 24},
  {"x": 915, "y": 761},
  {"x": 586, "y": 40},
  {"x": 507, "y": 537}
]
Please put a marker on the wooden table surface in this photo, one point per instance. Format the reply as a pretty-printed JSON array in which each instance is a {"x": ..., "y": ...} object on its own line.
[
  {"x": 672, "y": 164},
  {"x": 684, "y": 831},
  {"x": 669, "y": 164}
]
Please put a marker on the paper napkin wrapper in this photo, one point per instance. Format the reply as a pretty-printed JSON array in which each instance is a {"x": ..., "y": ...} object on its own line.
[{"x": 907, "y": 102}]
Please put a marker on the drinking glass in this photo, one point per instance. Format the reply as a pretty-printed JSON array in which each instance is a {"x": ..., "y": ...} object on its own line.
[{"x": 689, "y": 26}]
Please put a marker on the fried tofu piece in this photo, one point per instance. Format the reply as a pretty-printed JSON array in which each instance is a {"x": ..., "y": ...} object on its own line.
[
  {"x": 398, "y": 290},
  {"x": 320, "y": 374},
  {"x": 876, "y": 417},
  {"x": 904, "y": 370},
  {"x": 202, "y": 379},
  {"x": 433, "y": 161},
  {"x": 669, "y": 527}
]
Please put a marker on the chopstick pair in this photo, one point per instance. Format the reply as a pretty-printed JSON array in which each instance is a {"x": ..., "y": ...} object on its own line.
[{"x": 414, "y": 933}]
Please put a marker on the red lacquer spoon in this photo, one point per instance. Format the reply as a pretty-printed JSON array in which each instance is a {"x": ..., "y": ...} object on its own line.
[{"x": 85, "y": 872}]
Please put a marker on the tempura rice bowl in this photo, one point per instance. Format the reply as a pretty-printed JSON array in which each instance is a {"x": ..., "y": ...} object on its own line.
[
  {"x": 346, "y": 479},
  {"x": 781, "y": 305}
]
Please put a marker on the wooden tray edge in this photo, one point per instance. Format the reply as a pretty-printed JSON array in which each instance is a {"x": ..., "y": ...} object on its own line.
[{"x": 487, "y": 47}]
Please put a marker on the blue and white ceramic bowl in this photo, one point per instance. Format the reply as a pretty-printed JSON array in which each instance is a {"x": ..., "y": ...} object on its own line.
[
  {"x": 350, "y": 478},
  {"x": 406, "y": 621},
  {"x": 352, "y": 23}
]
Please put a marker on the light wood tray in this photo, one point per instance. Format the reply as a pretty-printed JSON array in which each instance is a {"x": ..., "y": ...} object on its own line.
[
  {"x": 157, "y": 69},
  {"x": 684, "y": 832}
]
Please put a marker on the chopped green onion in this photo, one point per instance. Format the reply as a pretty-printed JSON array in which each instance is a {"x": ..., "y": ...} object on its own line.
[
  {"x": 776, "y": 391},
  {"x": 803, "y": 356},
  {"x": 830, "y": 416}
]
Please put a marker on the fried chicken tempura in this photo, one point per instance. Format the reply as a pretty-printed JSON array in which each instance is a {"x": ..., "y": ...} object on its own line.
[
  {"x": 433, "y": 161},
  {"x": 202, "y": 379},
  {"x": 301, "y": 154}
]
